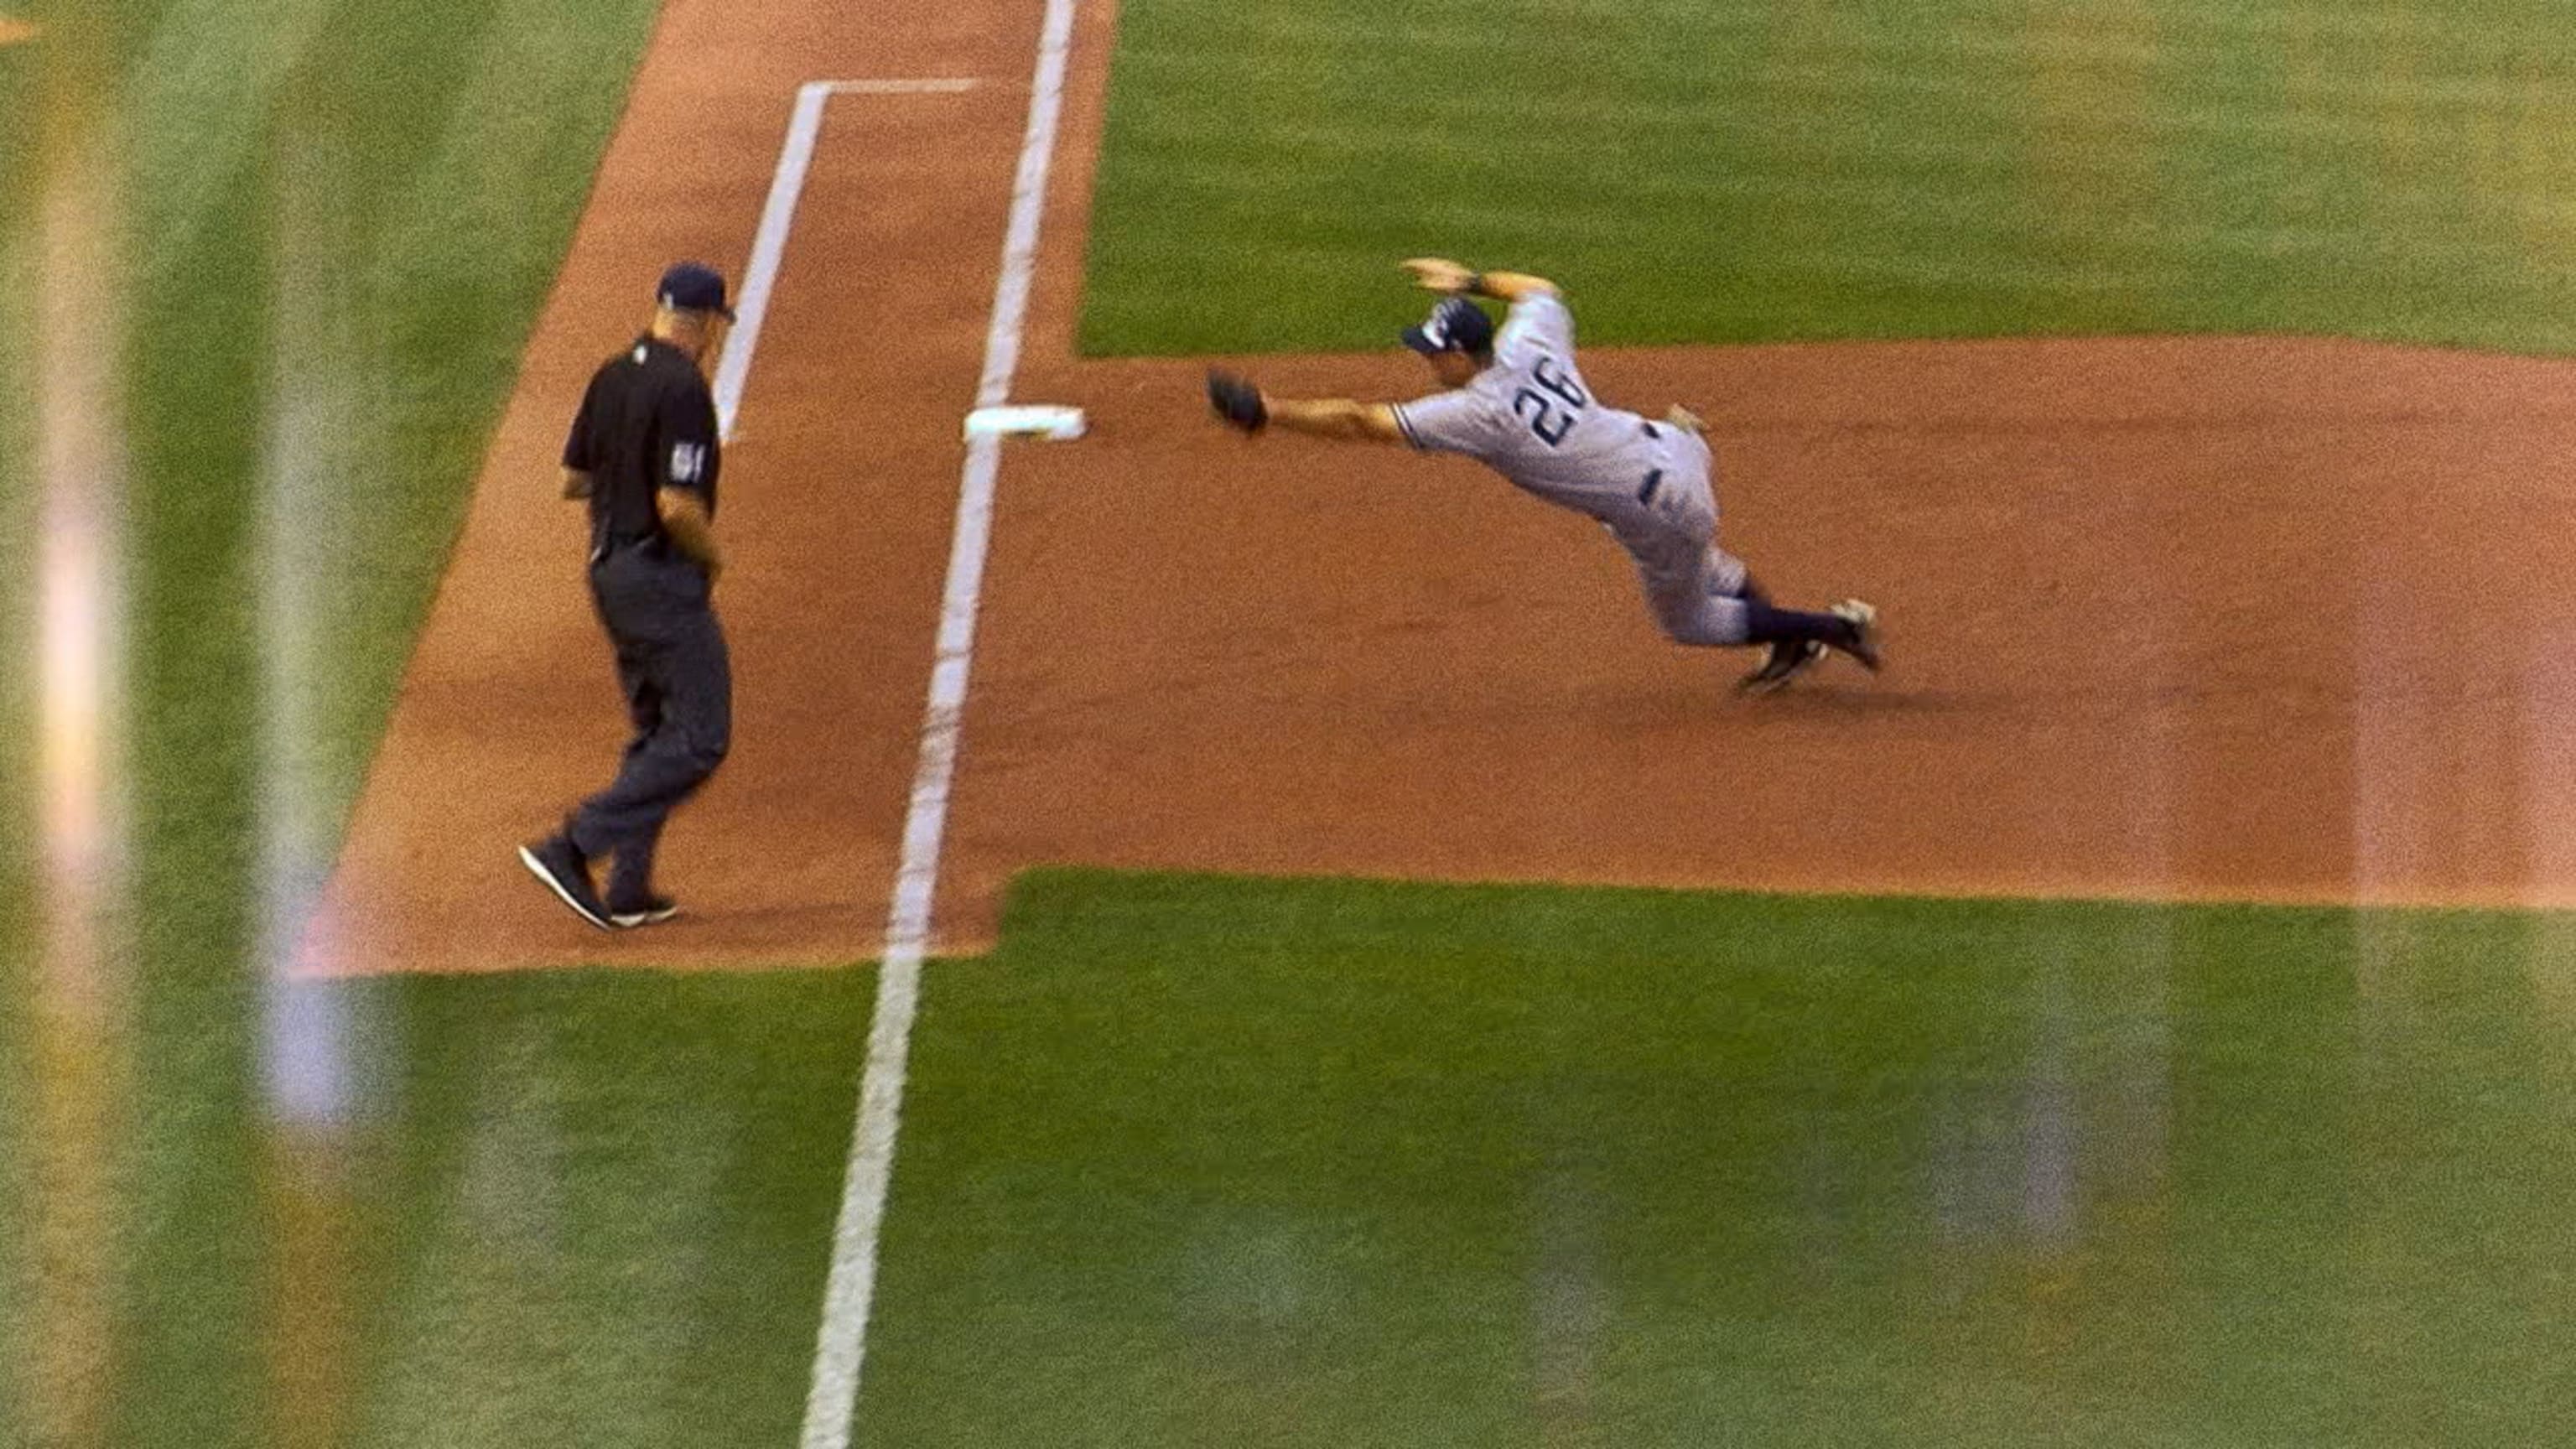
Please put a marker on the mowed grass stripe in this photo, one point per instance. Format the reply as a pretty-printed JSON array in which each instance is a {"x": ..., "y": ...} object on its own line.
[
  {"x": 597, "y": 1205},
  {"x": 199, "y": 102},
  {"x": 1749, "y": 172},
  {"x": 18, "y": 895},
  {"x": 40, "y": 1211},
  {"x": 429, "y": 164},
  {"x": 1193, "y": 1160}
]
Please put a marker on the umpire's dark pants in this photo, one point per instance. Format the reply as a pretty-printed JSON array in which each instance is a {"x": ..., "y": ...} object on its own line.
[{"x": 671, "y": 662}]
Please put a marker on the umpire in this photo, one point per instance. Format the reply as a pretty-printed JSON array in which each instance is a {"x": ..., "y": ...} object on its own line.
[{"x": 643, "y": 452}]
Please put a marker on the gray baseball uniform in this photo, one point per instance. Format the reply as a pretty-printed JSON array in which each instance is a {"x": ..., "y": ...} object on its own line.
[{"x": 1530, "y": 418}]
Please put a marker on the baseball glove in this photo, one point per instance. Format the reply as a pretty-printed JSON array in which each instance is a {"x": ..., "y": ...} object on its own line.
[{"x": 1236, "y": 400}]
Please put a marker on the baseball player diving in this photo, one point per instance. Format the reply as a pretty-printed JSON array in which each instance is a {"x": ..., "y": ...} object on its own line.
[{"x": 1516, "y": 402}]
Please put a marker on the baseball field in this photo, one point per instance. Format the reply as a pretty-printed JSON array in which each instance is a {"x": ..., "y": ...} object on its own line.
[{"x": 1379, "y": 993}]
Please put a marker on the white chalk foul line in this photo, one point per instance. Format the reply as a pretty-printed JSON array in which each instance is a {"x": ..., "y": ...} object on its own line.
[
  {"x": 841, "y": 1344},
  {"x": 778, "y": 217},
  {"x": 933, "y": 86}
]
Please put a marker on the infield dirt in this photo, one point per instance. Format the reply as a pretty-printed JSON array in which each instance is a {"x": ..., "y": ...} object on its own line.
[{"x": 2238, "y": 618}]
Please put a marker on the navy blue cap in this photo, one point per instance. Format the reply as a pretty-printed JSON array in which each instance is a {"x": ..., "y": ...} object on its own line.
[
  {"x": 693, "y": 287},
  {"x": 1456, "y": 325}
]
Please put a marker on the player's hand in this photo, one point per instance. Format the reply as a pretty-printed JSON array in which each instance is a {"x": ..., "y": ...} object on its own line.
[{"x": 1439, "y": 274}]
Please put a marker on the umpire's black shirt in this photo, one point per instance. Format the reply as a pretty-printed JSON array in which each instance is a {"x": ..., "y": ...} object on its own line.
[{"x": 647, "y": 423}]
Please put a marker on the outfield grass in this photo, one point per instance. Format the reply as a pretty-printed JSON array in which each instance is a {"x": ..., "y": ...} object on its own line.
[
  {"x": 580, "y": 1210},
  {"x": 593, "y": 1208},
  {"x": 1192, "y": 1161},
  {"x": 20, "y": 139},
  {"x": 338, "y": 221},
  {"x": 1742, "y": 170}
]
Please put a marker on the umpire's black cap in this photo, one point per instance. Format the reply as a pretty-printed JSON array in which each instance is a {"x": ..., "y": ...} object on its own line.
[
  {"x": 1456, "y": 325},
  {"x": 694, "y": 287}
]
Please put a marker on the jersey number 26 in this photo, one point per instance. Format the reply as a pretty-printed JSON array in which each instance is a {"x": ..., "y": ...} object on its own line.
[{"x": 1550, "y": 414}]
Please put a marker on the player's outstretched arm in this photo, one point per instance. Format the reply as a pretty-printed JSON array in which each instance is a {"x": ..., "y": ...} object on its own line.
[
  {"x": 1237, "y": 403},
  {"x": 1439, "y": 274},
  {"x": 1354, "y": 422}
]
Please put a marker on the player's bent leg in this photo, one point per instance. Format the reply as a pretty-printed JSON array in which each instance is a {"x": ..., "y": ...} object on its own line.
[
  {"x": 1719, "y": 605},
  {"x": 1771, "y": 624},
  {"x": 1689, "y": 614},
  {"x": 1780, "y": 664},
  {"x": 1796, "y": 640},
  {"x": 1713, "y": 602},
  {"x": 1693, "y": 588},
  {"x": 1724, "y": 574},
  {"x": 1793, "y": 642},
  {"x": 1782, "y": 661}
]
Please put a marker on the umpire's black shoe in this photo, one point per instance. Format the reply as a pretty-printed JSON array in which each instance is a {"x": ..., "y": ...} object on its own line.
[
  {"x": 645, "y": 910},
  {"x": 561, "y": 865}
]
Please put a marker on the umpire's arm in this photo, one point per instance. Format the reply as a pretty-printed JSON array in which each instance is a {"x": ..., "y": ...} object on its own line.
[{"x": 692, "y": 529}]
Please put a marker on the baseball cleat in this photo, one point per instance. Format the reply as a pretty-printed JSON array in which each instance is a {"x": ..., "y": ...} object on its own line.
[
  {"x": 1864, "y": 641},
  {"x": 652, "y": 910},
  {"x": 1782, "y": 661},
  {"x": 561, "y": 865}
]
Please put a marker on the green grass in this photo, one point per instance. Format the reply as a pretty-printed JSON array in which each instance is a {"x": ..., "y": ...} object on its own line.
[
  {"x": 1743, "y": 170},
  {"x": 331, "y": 227},
  {"x": 1291, "y": 1163},
  {"x": 592, "y": 1208},
  {"x": 330, "y": 301},
  {"x": 1195, "y": 1160},
  {"x": 1309, "y": 1163},
  {"x": 576, "y": 1209},
  {"x": 20, "y": 138}
]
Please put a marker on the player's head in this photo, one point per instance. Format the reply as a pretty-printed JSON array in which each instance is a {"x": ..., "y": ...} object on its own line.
[
  {"x": 689, "y": 304},
  {"x": 1457, "y": 339}
]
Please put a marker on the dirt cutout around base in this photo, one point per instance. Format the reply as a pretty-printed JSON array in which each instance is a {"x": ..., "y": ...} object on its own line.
[{"x": 2246, "y": 619}]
